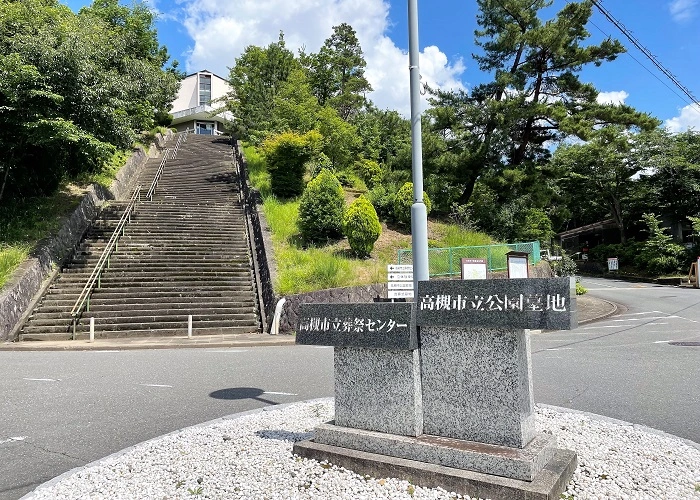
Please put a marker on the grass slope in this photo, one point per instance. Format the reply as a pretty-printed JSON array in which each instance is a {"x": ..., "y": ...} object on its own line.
[{"x": 304, "y": 269}]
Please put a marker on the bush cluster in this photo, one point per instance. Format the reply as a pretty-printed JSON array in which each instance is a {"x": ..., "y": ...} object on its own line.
[
  {"x": 321, "y": 209},
  {"x": 370, "y": 171},
  {"x": 287, "y": 155},
  {"x": 361, "y": 226}
]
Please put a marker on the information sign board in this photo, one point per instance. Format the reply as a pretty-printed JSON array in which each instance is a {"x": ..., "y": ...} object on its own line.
[{"x": 474, "y": 269}]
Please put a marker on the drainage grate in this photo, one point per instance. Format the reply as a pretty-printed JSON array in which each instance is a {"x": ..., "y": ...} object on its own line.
[{"x": 685, "y": 344}]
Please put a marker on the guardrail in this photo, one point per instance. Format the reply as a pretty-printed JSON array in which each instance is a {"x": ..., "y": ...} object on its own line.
[{"x": 95, "y": 279}]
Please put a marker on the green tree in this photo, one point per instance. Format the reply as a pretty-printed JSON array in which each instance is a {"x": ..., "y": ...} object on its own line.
[
  {"x": 86, "y": 83},
  {"x": 404, "y": 201},
  {"x": 535, "y": 97},
  {"x": 601, "y": 173},
  {"x": 256, "y": 78},
  {"x": 286, "y": 155},
  {"x": 337, "y": 72},
  {"x": 670, "y": 167}
]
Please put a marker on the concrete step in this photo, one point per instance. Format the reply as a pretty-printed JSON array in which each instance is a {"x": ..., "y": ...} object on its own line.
[
  {"x": 180, "y": 324},
  {"x": 109, "y": 318}
]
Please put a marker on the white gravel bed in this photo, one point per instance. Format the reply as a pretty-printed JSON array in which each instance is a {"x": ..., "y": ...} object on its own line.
[{"x": 251, "y": 457}]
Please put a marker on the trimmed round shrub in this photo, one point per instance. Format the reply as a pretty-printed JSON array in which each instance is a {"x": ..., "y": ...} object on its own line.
[
  {"x": 361, "y": 226},
  {"x": 404, "y": 201},
  {"x": 321, "y": 208}
]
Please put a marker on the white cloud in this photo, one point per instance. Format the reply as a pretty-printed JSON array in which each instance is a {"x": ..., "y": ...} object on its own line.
[
  {"x": 689, "y": 118},
  {"x": 614, "y": 97},
  {"x": 221, "y": 30},
  {"x": 683, "y": 10}
]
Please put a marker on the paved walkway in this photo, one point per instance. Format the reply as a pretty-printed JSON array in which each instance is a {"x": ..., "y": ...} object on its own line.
[{"x": 589, "y": 309}]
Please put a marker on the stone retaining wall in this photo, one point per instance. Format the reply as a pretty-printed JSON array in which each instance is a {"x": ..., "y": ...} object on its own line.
[
  {"x": 17, "y": 295},
  {"x": 259, "y": 240}
]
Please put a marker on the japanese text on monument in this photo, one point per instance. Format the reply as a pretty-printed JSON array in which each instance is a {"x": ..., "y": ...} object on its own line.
[
  {"x": 495, "y": 302},
  {"x": 348, "y": 325}
]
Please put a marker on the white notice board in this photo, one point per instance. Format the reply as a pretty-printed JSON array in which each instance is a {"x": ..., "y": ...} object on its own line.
[
  {"x": 517, "y": 267},
  {"x": 473, "y": 269},
  {"x": 613, "y": 264}
]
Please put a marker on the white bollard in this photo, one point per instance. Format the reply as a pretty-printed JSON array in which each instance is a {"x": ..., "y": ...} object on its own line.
[
  {"x": 92, "y": 329},
  {"x": 189, "y": 326}
]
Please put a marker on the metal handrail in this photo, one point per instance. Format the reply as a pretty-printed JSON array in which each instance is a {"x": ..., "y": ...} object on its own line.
[
  {"x": 168, "y": 154},
  {"x": 95, "y": 278},
  {"x": 156, "y": 178}
]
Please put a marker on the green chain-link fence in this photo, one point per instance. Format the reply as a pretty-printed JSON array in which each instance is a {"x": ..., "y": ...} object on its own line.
[{"x": 446, "y": 261}]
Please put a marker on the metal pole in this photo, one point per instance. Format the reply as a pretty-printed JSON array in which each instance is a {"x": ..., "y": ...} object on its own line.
[
  {"x": 419, "y": 216},
  {"x": 92, "y": 329},
  {"x": 189, "y": 326}
]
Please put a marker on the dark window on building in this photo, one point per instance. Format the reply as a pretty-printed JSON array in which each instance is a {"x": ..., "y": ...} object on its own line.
[{"x": 204, "y": 89}]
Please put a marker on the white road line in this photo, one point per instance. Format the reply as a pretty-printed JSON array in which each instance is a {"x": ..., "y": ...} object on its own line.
[
  {"x": 156, "y": 385},
  {"x": 280, "y": 393},
  {"x": 624, "y": 288},
  {"x": 43, "y": 379},
  {"x": 639, "y": 314},
  {"x": 13, "y": 439},
  {"x": 596, "y": 327},
  {"x": 230, "y": 350},
  {"x": 656, "y": 323},
  {"x": 663, "y": 341},
  {"x": 320, "y": 346},
  {"x": 560, "y": 349}
]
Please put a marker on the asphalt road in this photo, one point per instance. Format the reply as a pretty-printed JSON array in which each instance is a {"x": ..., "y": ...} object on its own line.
[
  {"x": 625, "y": 366},
  {"x": 64, "y": 409}
]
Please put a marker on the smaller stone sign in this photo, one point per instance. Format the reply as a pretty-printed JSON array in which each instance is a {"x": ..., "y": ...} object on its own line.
[
  {"x": 535, "y": 303},
  {"x": 375, "y": 325}
]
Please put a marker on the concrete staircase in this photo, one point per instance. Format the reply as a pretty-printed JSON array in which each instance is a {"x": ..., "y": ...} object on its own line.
[{"x": 184, "y": 253}]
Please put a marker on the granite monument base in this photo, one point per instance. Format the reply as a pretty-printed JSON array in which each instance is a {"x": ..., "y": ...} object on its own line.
[
  {"x": 378, "y": 390},
  {"x": 515, "y": 463},
  {"x": 548, "y": 484},
  {"x": 477, "y": 384}
]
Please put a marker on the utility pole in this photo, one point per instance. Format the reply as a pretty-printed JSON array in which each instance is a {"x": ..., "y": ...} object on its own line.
[{"x": 419, "y": 215}]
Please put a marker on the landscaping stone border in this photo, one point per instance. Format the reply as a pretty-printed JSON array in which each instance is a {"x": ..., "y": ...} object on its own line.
[{"x": 18, "y": 296}]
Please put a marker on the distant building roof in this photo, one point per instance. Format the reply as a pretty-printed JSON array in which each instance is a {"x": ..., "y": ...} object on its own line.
[
  {"x": 584, "y": 229},
  {"x": 206, "y": 71}
]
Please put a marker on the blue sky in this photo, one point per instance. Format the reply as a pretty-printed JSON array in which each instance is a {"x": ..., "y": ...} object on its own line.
[{"x": 210, "y": 34}]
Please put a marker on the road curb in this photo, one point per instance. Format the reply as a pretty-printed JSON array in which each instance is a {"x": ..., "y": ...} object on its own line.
[
  {"x": 613, "y": 309},
  {"x": 165, "y": 343}
]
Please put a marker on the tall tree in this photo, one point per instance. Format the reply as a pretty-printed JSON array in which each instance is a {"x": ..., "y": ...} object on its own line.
[
  {"x": 255, "y": 79},
  {"x": 670, "y": 172},
  {"x": 535, "y": 98},
  {"x": 337, "y": 72},
  {"x": 602, "y": 173},
  {"x": 82, "y": 89}
]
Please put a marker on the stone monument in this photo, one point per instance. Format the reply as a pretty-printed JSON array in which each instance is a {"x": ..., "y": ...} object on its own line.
[{"x": 439, "y": 391}]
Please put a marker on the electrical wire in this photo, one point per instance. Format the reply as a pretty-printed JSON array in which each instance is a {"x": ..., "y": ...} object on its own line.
[{"x": 654, "y": 60}]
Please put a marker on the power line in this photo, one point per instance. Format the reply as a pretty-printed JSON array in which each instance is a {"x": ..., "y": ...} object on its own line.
[
  {"x": 654, "y": 60},
  {"x": 662, "y": 82}
]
